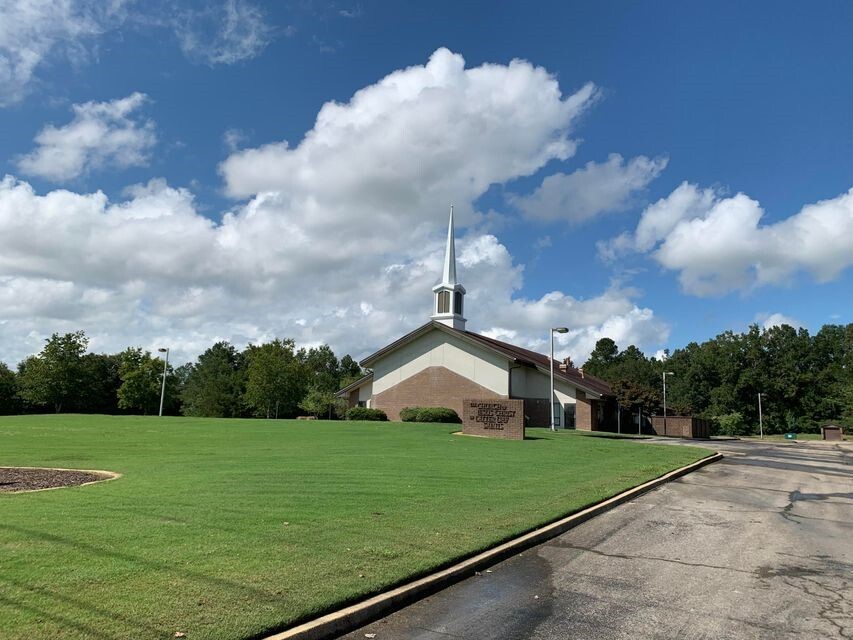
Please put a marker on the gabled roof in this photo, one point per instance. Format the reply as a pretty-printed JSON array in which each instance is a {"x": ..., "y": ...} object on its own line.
[
  {"x": 355, "y": 384},
  {"x": 581, "y": 380},
  {"x": 513, "y": 353}
]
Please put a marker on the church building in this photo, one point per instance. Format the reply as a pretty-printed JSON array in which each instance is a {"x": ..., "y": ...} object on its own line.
[{"x": 440, "y": 363}]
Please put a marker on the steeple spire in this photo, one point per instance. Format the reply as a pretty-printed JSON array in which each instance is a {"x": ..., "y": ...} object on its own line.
[
  {"x": 449, "y": 294},
  {"x": 449, "y": 277}
]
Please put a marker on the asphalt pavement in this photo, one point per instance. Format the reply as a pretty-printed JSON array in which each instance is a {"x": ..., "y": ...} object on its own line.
[{"x": 759, "y": 545}]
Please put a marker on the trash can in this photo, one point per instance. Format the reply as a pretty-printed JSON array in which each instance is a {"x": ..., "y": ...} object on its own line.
[{"x": 790, "y": 436}]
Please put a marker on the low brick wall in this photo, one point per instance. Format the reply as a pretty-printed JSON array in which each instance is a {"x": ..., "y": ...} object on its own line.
[
  {"x": 681, "y": 427},
  {"x": 432, "y": 387}
]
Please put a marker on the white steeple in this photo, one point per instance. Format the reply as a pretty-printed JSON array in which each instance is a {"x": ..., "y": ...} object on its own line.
[
  {"x": 449, "y": 295},
  {"x": 449, "y": 277}
]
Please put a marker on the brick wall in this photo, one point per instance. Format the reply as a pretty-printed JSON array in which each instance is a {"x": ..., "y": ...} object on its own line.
[
  {"x": 586, "y": 413},
  {"x": 681, "y": 427},
  {"x": 432, "y": 387}
]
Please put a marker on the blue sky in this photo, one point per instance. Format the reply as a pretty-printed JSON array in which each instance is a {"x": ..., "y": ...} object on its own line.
[{"x": 727, "y": 202}]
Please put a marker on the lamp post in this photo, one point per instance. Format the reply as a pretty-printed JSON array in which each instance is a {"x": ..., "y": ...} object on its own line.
[
  {"x": 618, "y": 418},
  {"x": 760, "y": 419},
  {"x": 553, "y": 331},
  {"x": 163, "y": 388},
  {"x": 665, "y": 374}
]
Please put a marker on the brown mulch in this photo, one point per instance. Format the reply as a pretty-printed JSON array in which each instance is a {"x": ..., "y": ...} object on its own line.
[{"x": 14, "y": 479}]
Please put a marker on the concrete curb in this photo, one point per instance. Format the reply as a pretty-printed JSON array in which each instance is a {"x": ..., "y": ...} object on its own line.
[{"x": 357, "y": 615}]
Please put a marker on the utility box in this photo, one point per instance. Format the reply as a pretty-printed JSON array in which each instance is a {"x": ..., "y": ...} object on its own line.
[{"x": 832, "y": 432}]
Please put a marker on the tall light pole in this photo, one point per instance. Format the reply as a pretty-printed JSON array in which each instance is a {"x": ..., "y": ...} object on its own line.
[
  {"x": 618, "y": 418},
  {"x": 665, "y": 374},
  {"x": 163, "y": 388},
  {"x": 760, "y": 419},
  {"x": 553, "y": 331}
]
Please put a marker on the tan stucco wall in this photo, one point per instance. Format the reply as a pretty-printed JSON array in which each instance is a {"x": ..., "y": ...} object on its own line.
[
  {"x": 532, "y": 383},
  {"x": 439, "y": 349},
  {"x": 365, "y": 393}
]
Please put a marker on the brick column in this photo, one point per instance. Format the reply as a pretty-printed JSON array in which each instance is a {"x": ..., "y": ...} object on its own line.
[{"x": 586, "y": 413}]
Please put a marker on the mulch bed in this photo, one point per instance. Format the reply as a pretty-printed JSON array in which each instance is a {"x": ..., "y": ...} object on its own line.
[{"x": 14, "y": 479}]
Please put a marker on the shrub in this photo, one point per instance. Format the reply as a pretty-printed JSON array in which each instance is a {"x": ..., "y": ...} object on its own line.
[
  {"x": 732, "y": 424},
  {"x": 363, "y": 413},
  {"x": 429, "y": 414}
]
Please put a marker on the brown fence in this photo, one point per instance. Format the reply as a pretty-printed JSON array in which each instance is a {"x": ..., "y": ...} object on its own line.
[{"x": 681, "y": 427}]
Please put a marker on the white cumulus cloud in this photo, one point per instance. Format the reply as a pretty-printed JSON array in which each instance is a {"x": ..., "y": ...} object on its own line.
[
  {"x": 777, "y": 320},
  {"x": 100, "y": 134},
  {"x": 595, "y": 189},
  {"x": 718, "y": 244},
  {"x": 338, "y": 240},
  {"x": 429, "y": 134}
]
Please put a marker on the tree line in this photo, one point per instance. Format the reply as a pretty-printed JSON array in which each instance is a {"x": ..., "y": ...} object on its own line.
[
  {"x": 269, "y": 380},
  {"x": 805, "y": 380}
]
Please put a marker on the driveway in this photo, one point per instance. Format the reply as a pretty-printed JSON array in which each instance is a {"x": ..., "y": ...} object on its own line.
[{"x": 759, "y": 545}]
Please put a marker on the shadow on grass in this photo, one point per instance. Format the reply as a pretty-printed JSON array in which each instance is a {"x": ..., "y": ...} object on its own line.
[
  {"x": 145, "y": 629},
  {"x": 53, "y": 595},
  {"x": 607, "y": 434},
  {"x": 86, "y": 630},
  {"x": 149, "y": 564}
]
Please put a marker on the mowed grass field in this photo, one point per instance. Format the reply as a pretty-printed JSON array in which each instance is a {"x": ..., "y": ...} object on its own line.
[{"x": 237, "y": 528}]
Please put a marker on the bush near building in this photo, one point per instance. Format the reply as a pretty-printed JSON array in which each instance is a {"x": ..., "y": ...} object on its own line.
[
  {"x": 429, "y": 414},
  {"x": 364, "y": 413}
]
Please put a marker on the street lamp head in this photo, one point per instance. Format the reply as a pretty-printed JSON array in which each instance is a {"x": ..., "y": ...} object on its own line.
[
  {"x": 560, "y": 329},
  {"x": 162, "y": 349},
  {"x": 670, "y": 373}
]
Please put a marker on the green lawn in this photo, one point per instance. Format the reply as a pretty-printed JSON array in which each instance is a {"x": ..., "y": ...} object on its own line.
[{"x": 234, "y": 528}]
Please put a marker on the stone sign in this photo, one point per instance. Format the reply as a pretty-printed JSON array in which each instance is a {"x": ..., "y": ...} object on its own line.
[{"x": 493, "y": 418}]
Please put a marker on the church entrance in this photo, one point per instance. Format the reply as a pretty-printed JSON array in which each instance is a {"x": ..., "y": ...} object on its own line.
[{"x": 569, "y": 416}]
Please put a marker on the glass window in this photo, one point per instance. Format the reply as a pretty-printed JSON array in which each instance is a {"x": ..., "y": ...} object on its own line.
[
  {"x": 570, "y": 416},
  {"x": 557, "y": 411},
  {"x": 457, "y": 303},
  {"x": 362, "y": 403},
  {"x": 444, "y": 302}
]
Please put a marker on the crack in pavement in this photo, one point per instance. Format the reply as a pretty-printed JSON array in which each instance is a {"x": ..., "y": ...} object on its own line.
[
  {"x": 621, "y": 556},
  {"x": 796, "y": 496}
]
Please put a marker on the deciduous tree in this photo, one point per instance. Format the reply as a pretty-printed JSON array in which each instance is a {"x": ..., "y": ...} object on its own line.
[
  {"x": 141, "y": 381},
  {"x": 9, "y": 402},
  {"x": 275, "y": 379},
  {"x": 56, "y": 374},
  {"x": 215, "y": 384}
]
